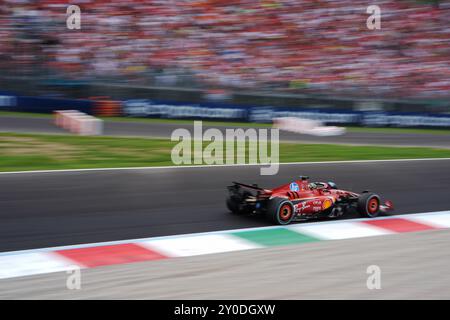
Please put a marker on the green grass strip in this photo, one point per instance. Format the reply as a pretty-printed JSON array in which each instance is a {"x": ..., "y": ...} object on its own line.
[{"x": 20, "y": 152}]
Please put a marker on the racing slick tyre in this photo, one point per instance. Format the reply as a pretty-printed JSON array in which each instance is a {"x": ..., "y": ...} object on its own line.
[
  {"x": 280, "y": 211},
  {"x": 369, "y": 205},
  {"x": 235, "y": 203}
]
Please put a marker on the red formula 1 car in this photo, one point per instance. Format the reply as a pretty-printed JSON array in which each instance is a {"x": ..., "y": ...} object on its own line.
[{"x": 302, "y": 200}]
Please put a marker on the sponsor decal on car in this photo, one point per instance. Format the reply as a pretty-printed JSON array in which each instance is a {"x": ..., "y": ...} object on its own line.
[
  {"x": 327, "y": 204},
  {"x": 294, "y": 186}
]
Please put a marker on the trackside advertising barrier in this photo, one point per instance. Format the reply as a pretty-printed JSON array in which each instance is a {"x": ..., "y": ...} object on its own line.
[
  {"x": 43, "y": 104},
  {"x": 263, "y": 114},
  {"x": 160, "y": 109},
  {"x": 226, "y": 112}
]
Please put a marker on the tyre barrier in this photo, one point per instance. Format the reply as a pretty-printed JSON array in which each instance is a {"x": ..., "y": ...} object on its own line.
[
  {"x": 307, "y": 126},
  {"x": 78, "y": 122},
  {"x": 105, "y": 107}
]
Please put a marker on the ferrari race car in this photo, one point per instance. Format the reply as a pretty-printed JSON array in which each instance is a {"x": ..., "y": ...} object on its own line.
[{"x": 302, "y": 200}]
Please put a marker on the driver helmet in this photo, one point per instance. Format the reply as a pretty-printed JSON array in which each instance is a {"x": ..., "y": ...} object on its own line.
[
  {"x": 312, "y": 185},
  {"x": 332, "y": 185}
]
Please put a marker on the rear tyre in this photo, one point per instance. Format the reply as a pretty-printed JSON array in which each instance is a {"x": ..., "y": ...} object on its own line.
[
  {"x": 369, "y": 205},
  {"x": 280, "y": 211}
]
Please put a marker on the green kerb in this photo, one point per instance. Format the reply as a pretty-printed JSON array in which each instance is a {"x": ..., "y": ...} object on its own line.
[{"x": 274, "y": 237}]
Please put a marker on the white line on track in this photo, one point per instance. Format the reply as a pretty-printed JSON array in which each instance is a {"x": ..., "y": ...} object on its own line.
[{"x": 219, "y": 166}]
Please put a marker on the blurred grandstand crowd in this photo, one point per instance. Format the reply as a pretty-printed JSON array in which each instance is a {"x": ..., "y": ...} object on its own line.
[{"x": 308, "y": 46}]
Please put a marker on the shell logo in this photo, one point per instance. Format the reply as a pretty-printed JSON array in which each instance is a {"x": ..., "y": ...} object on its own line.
[{"x": 326, "y": 204}]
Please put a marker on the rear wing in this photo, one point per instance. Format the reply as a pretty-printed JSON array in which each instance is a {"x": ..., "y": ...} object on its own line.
[
  {"x": 260, "y": 191},
  {"x": 248, "y": 186}
]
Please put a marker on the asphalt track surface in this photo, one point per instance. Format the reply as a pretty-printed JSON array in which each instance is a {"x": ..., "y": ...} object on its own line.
[
  {"x": 53, "y": 209},
  {"x": 164, "y": 130},
  {"x": 413, "y": 266}
]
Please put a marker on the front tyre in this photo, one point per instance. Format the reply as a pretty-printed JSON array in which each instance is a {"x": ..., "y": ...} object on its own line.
[
  {"x": 369, "y": 205},
  {"x": 280, "y": 211}
]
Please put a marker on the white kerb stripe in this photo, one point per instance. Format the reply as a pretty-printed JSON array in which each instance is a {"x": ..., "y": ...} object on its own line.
[
  {"x": 435, "y": 220},
  {"x": 341, "y": 230},
  {"x": 27, "y": 264},
  {"x": 198, "y": 245}
]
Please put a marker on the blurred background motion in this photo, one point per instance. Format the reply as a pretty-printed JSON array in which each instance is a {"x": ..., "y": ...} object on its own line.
[
  {"x": 233, "y": 61},
  {"x": 309, "y": 47}
]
